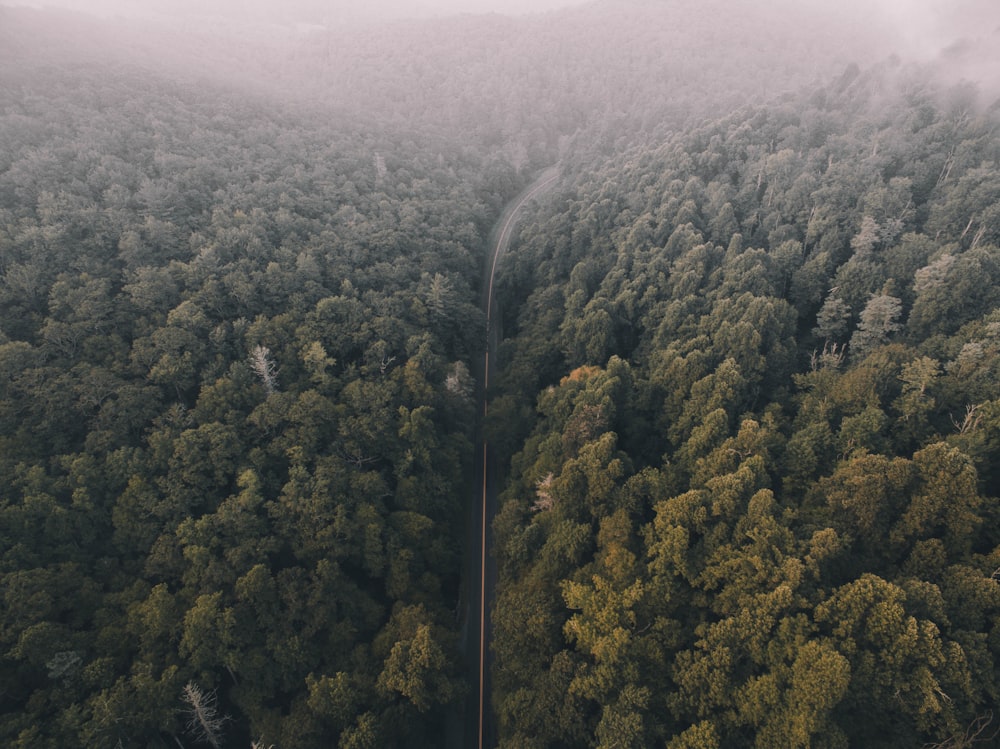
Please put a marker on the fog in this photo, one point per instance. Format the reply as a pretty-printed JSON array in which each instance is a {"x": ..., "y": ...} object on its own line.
[
  {"x": 297, "y": 11},
  {"x": 916, "y": 28},
  {"x": 920, "y": 23},
  {"x": 300, "y": 44}
]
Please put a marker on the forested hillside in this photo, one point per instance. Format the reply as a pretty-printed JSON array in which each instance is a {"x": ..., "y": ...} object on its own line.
[
  {"x": 751, "y": 383},
  {"x": 522, "y": 87},
  {"x": 747, "y": 410},
  {"x": 614, "y": 69},
  {"x": 235, "y": 417}
]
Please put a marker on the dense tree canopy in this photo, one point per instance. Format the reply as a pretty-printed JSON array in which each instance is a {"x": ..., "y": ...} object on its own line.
[
  {"x": 747, "y": 407},
  {"x": 235, "y": 417},
  {"x": 756, "y": 504}
]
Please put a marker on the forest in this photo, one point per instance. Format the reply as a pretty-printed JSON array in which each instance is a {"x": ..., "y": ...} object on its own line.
[
  {"x": 235, "y": 422},
  {"x": 747, "y": 415},
  {"x": 750, "y": 389}
]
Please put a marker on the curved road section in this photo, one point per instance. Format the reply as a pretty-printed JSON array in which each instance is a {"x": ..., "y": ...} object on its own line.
[{"x": 481, "y": 570}]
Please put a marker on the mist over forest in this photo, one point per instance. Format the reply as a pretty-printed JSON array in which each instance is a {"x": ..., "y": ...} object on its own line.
[{"x": 551, "y": 374}]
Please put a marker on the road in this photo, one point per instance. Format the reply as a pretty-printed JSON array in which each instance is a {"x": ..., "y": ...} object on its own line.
[{"x": 481, "y": 570}]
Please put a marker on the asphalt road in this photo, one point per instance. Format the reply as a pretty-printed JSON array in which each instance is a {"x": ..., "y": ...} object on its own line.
[{"x": 479, "y": 729}]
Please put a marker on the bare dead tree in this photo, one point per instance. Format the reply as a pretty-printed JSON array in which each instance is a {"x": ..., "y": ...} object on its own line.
[
  {"x": 977, "y": 733},
  {"x": 946, "y": 169},
  {"x": 979, "y": 237},
  {"x": 356, "y": 459},
  {"x": 264, "y": 367},
  {"x": 831, "y": 357},
  {"x": 971, "y": 421},
  {"x": 544, "y": 500},
  {"x": 204, "y": 724},
  {"x": 967, "y": 227}
]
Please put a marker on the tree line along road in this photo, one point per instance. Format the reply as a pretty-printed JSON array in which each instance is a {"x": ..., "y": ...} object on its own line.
[{"x": 480, "y": 570}]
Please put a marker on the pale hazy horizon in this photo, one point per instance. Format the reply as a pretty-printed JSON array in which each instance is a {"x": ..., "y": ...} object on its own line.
[
  {"x": 919, "y": 27},
  {"x": 305, "y": 10}
]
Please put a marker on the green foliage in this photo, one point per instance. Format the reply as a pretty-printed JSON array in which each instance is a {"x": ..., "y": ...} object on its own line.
[
  {"x": 747, "y": 403},
  {"x": 769, "y": 538},
  {"x": 231, "y": 447}
]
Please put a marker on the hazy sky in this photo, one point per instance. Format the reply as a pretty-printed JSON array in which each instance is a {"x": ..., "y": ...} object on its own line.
[
  {"x": 919, "y": 27},
  {"x": 917, "y": 20},
  {"x": 311, "y": 9},
  {"x": 918, "y": 17}
]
